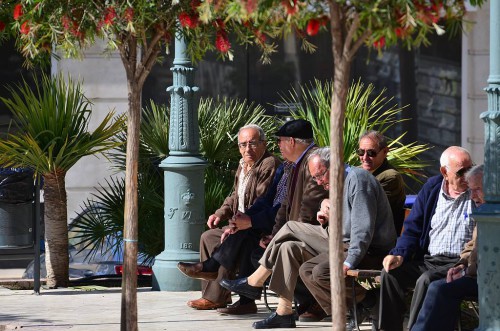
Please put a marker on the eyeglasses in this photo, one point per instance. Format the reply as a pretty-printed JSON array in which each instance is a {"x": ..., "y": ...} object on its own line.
[
  {"x": 460, "y": 172},
  {"x": 369, "y": 152},
  {"x": 251, "y": 144},
  {"x": 320, "y": 176}
]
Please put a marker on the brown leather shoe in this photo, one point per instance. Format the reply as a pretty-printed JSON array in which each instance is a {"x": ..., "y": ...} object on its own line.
[
  {"x": 204, "y": 304},
  {"x": 313, "y": 314},
  {"x": 193, "y": 270},
  {"x": 239, "y": 309}
]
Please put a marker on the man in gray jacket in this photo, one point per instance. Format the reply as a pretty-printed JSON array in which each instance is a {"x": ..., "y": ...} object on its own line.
[
  {"x": 368, "y": 233},
  {"x": 296, "y": 243}
]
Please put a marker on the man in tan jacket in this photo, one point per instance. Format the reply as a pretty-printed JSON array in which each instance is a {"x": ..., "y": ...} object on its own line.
[{"x": 253, "y": 177}]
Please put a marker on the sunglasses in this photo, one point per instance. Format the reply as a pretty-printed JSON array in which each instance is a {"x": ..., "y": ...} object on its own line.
[
  {"x": 461, "y": 172},
  {"x": 369, "y": 152}
]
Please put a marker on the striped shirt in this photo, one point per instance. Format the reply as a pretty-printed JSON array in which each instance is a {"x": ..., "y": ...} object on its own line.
[{"x": 451, "y": 224}]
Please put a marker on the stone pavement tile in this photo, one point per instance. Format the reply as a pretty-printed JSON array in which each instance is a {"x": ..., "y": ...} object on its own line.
[{"x": 77, "y": 310}]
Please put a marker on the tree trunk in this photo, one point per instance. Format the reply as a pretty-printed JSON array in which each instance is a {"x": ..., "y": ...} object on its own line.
[
  {"x": 56, "y": 230},
  {"x": 129, "y": 280},
  {"x": 342, "y": 56}
]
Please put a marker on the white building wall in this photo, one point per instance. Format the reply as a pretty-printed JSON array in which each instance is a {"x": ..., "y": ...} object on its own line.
[
  {"x": 105, "y": 84},
  {"x": 475, "y": 71}
]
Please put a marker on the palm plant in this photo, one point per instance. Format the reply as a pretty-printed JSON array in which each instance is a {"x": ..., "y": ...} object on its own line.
[
  {"x": 364, "y": 111},
  {"x": 219, "y": 122},
  {"x": 52, "y": 135}
]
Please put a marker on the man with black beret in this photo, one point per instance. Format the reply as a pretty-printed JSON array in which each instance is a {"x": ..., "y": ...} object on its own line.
[{"x": 300, "y": 197}]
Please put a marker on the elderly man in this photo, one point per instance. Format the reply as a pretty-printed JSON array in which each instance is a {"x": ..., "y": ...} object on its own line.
[
  {"x": 434, "y": 234},
  {"x": 441, "y": 306},
  {"x": 372, "y": 152},
  {"x": 261, "y": 216},
  {"x": 254, "y": 175},
  {"x": 297, "y": 242},
  {"x": 367, "y": 228}
]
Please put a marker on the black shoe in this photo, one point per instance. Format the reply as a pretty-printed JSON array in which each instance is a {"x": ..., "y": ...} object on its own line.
[
  {"x": 241, "y": 287},
  {"x": 275, "y": 321},
  {"x": 362, "y": 314},
  {"x": 350, "y": 325}
]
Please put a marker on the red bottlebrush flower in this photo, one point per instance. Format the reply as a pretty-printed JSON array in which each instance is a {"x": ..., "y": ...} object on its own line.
[
  {"x": 379, "y": 43},
  {"x": 195, "y": 4},
  {"x": 128, "y": 14},
  {"x": 18, "y": 11},
  {"x": 222, "y": 42},
  {"x": 188, "y": 21},
  {"x": 260, "y": 36},
  {"x": 66, "y": 22},
  {"x": 250, "y": 6},
  {"x": 25, "y": 28},
  {"x": 219, "y": 24},
  {"x": 401, "y": 32},
  {"x": 290, "y": 6},
  {"x": 2, "y": 26},
  {"x": 312, "y": 27},
  {"x": 109, "y": 16}
]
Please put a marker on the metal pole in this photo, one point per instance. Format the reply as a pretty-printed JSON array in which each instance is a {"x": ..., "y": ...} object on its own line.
[
  {"x": 488, "y": 215},
  {"x": 184, "y": 180},
  {"x": 36, "y": 225}
]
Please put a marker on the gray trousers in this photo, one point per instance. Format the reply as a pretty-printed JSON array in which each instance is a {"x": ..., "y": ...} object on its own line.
[{"x": 294, "y": 244}]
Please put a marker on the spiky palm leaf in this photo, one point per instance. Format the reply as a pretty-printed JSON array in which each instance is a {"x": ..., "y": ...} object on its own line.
[
  {"x": 365, "y": 110},
  {"x": 52, "y": 134},
  {"x": 219, "y": 122}
]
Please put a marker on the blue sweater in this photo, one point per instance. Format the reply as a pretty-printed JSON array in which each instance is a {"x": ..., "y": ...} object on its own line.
[{"x": 413, "y": 243}]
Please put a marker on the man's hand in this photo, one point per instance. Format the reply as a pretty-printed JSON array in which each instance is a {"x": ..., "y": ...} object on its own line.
[
  {"x": 392, "y": 262},
  {"x": 323, "y": 215},
  {"x": 225, "y": 234},
  {"x": 240, "y": 221},
  {"x": 213, "y": 221},
  {"x": 345, "y": 269},
  {"x": 455, "y": 273},
  {"x": 265, "y": 241}
]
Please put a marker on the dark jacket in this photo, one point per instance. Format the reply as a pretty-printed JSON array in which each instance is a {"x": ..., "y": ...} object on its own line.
[
  {"x": 307, "y": 196},
  {"x": 413, "y": 243},
  {"x": 261, "y": 177},
  {"x": 262, "y": 212},
  {"x": 394, "y": 187}
]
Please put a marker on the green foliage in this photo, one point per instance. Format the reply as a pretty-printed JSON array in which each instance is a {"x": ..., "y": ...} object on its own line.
[
  {"x": 219, "y": 121},
  {"x": 74, "y": 25},
  {"x": 52, "y": 126},
  {"x": 364, "y": 111}
]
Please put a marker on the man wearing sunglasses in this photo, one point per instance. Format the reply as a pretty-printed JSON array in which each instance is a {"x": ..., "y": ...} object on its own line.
[
  {"x": 372, "y": 152},
  {"x": 434, "y": 234}
]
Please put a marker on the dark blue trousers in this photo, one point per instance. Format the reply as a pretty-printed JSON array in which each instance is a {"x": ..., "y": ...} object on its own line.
[{"x": 440, "y": 309}]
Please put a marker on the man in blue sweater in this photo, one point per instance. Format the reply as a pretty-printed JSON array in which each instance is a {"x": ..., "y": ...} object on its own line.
[{"x": 434, "y": 234}]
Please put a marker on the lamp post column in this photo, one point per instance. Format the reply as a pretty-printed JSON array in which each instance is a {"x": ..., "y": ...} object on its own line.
[
  {"x": 184, "y": 180},
  {"x": 488, "y": 215}
]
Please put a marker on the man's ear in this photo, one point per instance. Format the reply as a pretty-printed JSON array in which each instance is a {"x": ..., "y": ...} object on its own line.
[
  {"x": 385, "y": 150},
  {"x": 443, "y": 171}
]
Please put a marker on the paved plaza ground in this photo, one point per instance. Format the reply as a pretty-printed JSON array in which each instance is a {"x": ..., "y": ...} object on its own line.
[{"x": 98, "y": 308}]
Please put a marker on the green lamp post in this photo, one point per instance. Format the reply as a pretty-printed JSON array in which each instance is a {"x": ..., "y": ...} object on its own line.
[
  {"x": 488, "y": 215},
  {"x": 184, "y": 180}
]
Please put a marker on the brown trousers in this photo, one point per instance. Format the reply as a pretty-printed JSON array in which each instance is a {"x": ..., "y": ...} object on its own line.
[
  {"x": 315, "y": 274},
  {"x": 212, "y": 291},
  {"x": 294, "y": 244}
]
